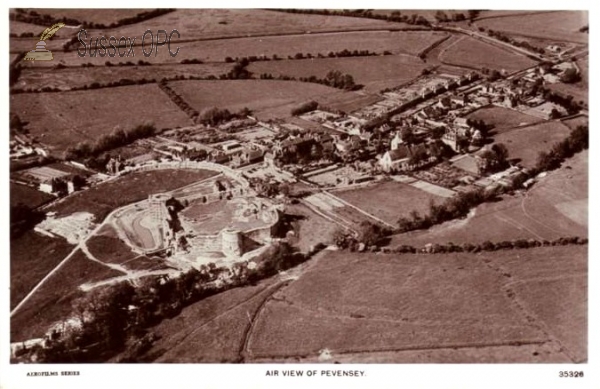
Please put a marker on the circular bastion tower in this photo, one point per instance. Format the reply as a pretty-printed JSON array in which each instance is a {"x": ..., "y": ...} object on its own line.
[{"x": 231, "y": 241}]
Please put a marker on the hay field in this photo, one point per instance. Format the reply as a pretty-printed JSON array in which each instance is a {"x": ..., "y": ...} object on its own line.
[
  {"x": 555, "y": 207},
  {"x": 561, "y": 26},
  {"x": 475, "y": 54},
  {"x": 62, "y": 119},
  {"x": 375, "y": 73}
]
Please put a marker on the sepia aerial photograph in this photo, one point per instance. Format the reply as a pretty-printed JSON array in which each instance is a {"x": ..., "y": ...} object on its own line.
[{"x": 304, "y": 186}]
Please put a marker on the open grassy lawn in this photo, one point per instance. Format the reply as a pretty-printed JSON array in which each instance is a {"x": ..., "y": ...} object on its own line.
[
  {"x": 32, "y": 256},
  {"x": 525, "y": 144},
  {"x": 62, "y": 119},
  {"x": 475, "y": 54},
  {"x": 53, "y": 301},
  {"x": 75, "y": 77},
  {"x": 27, "y": 195},
  {"x": 375, "y": 73},
  {"x": 266, "y": 98},
  {"x": 561, "y": 26},
  {"x": 101, "y": 199},
  {"x": 555, "y": 207},
  {"x": 389, "y": 200},
  {"x": 502, "y": 118}
]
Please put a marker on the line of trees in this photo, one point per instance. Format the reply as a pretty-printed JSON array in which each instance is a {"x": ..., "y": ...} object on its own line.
[
  {"x": 487, "y": 245},
  {"x": 332, "y": 54},
  {"x": 178, "y": 100},
  {"x": 215, "y": 116}
]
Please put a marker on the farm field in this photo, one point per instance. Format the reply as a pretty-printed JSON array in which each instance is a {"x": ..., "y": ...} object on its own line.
[
  {"x": 397, "y": 42},
  {"x": 474, "y": 54},
  {"x": 62, "y": 119},
  {"x": 389, "y": 308},
  {"x": 53, "y": 301},
  {"x": 561, "y": 26},
  {"x": 502, "y": 118},
  {"x": 75, "y": 77},
  {"x": 266, "y": 98},
  {"x": 100, "y": 200},
  {"x": 390, "y": 200},
  {"x": 555, "y": 207},
  {"x": 32, "y": 256},
  {"x": 27, "y": 195},
  {"x": 525, "y": 144},
  {"x": 221, "y": 23},
  {"x": 375, "y": 73}
]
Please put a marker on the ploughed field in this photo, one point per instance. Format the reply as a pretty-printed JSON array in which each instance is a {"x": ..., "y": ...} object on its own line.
[{"x": 511, "y": 306}]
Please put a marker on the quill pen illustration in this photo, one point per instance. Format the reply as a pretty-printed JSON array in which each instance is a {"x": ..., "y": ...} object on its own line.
[
  {"x": 40, "y": 53},
  {"x": 47, "y": 34}
]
